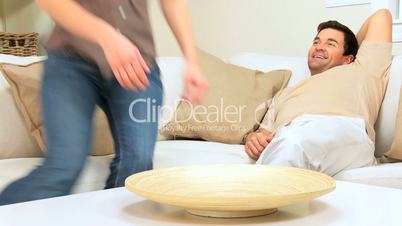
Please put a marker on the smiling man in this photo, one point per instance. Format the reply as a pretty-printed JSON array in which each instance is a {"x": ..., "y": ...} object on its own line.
[
  {"x": 335, "y": 44},
  {"x": 326, "y": 122}
]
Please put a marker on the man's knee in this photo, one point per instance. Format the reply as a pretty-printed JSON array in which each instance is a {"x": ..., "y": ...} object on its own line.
[{"x": 285, "y": 151}]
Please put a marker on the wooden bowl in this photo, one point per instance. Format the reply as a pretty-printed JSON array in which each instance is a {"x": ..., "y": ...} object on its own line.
[{"x": 230, "y": 190}]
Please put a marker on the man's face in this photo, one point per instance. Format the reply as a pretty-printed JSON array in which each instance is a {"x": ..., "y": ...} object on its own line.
[{"x": 327, "y": 51}]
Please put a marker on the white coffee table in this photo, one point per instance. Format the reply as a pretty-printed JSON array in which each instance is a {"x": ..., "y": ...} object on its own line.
[{"x": 349, "y": 205}]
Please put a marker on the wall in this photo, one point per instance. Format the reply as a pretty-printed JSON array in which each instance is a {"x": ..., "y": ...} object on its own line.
[
  {"x": 226, "y": 27},
  {"x": 284, "y": 27},
  {"x": 1, "y": 15},
  {"x": 25, "y": 16}
]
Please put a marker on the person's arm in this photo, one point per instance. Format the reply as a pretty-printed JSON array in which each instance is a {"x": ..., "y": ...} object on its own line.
[
  {"x": 267, "y": 122},
  {"x": 376, "y": 28},
  {"x": 255, "y": 142},
  {"x": 177, "y": 16},
  {"x": 124, "y": 57}
]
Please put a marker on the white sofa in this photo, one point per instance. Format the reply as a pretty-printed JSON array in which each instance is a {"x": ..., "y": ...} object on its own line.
[{"x": 170, "y": 153}]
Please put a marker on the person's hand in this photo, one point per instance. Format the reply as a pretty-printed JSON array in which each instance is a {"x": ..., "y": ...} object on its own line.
[
  {"x": 126, "y": 62},
  {"x": 256, "y": 143},
  {"x": 195, "y": 84}
]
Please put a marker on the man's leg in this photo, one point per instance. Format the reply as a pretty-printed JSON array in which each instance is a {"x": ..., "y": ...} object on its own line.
[
  {"x": 327, "y": 144},
  {"x": 134, "y": 122},
  {"x": 68, "y": 99}
]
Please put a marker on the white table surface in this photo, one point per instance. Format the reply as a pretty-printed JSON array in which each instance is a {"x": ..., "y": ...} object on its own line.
[{"x": 349, "y": 205}]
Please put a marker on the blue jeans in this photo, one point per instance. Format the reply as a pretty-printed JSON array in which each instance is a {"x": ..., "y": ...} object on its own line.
[{"x": 71, "y": 88}]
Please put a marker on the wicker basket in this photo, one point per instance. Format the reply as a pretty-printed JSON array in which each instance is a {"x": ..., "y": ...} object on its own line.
[{"x": 19, "y": 44}]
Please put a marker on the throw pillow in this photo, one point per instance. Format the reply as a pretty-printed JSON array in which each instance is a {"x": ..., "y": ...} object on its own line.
[
  {"x": 15, "y": 140},
  {"x": 236, "y": 101},
  {"x": 25, "y": 84},
  {"x": 395, "y": 153}
]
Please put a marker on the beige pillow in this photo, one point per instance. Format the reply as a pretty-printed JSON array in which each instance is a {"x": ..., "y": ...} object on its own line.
[
  {"x": 395, "y": 153},
  {"x": 15, "y": 140},
  {"x": 236, "y": 101},
  {"x": 25, "y": 84}
]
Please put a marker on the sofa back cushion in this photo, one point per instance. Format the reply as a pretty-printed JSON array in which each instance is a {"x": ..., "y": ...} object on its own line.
[
  {"x": 395, "y": 153},
  {"x": 386, "y": 121}
]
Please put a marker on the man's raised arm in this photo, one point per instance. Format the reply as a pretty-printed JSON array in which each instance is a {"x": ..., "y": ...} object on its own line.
[{"x": 377, "y": 28}]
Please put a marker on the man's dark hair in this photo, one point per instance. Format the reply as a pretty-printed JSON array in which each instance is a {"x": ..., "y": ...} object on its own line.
[{"x": 350, "y": 42}]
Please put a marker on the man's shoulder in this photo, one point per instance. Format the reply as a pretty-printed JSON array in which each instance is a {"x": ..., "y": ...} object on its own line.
[{"x": 374, "y": 51}]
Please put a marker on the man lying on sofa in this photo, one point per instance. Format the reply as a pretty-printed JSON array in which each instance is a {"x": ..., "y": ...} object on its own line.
[{"x": 326, "y": 122}]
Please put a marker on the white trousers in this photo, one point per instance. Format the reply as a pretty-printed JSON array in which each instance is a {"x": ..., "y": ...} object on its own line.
[{"x": 328, "y": 144}]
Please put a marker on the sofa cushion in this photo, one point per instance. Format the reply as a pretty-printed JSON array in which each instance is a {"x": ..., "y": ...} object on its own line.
[
  {"x": 386, "y": 121},
  {"x": 395, "y": 153},
  {"x": 386, "y": 175},
  {"x": 15, "y": 140},
  {"x": 25, "y": 84},
  {"x": 189, "y": 152},
  {"x": 236, "y": 101},
  {"x": 93, "y": 176},
  {"x": 265, "y": 62}
]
